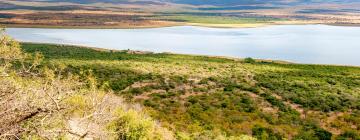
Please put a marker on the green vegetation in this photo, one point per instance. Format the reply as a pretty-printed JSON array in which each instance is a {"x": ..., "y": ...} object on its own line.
[
  {"x": 200, "y": 97},
  {"x": 218, "y": 19}
]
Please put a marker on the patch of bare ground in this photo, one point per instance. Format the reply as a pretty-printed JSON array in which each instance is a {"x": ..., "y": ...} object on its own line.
[
  {"x": 145, "y": 95},
  {"x": 138, "y": 52},
  {"x": 331, "y": 117},
  {"x": 265, "y": 106},
  {"x": 195, "y": 83},
  {"x": 188, "y": 94},
  {"x": 142, "y": 84}
]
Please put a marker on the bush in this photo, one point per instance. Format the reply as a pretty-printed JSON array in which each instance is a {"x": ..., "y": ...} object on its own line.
[
  {"x": 313, "y": 131},
  {"x": 132, "y": 125},
  {"x": 249, "y": 60},
  {"x": 323, "y": 134},
  {"x": 348, "y": 135},
  {"x": 150, "y": 103},
  {"x": 263, "y": 133},
  {"x": 9, "y": 50}
]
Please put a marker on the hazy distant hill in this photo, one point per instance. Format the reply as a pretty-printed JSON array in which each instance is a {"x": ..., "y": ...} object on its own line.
[
  {"x": 339, "y": 12},
  {"x": 208, "y": 2}
]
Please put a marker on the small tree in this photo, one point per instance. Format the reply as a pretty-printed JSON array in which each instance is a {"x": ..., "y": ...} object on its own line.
[{"x": 9, "y": 50}]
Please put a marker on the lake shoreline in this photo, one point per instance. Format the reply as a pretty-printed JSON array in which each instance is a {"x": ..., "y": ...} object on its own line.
[{"x": 176, "y": 24}]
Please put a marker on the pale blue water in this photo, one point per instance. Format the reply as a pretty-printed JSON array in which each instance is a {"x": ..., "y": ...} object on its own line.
[{"x": 316, "y": 44}]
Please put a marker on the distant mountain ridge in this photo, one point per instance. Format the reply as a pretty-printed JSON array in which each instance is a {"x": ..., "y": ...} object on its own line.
[{"x": 208, "y": 2}]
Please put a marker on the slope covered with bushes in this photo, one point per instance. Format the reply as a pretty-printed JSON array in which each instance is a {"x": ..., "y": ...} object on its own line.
[{"x": 199, "y": 97}]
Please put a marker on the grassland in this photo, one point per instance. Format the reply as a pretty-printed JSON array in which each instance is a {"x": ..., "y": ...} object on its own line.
[
  {"x": 219, "y": 19},
  {"x": 222, "y": 21},
  {"x": 200, "y": 97}
]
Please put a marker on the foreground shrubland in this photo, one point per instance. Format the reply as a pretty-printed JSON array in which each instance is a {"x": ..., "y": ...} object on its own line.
[{"x": 46, "y": 102}]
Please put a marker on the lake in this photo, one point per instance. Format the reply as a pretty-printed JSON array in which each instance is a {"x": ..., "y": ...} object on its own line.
[{"x": 313, "y": 44}]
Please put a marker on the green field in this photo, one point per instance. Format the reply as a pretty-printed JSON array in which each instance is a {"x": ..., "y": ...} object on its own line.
[
  {"x": 201, "y": 97},
  {"x": 219, "y": 19}
]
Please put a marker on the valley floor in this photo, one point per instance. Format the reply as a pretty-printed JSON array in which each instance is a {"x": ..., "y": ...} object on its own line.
[{"x": 107, "y": 19}]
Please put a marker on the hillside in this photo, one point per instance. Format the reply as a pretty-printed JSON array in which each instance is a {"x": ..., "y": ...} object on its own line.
[
  {"x": 160, "y": 13},
  {"x": 200, "y": 97}
]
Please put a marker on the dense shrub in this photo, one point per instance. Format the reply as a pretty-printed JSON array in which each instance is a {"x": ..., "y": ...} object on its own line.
[
  {"x": 313, "y": 131},
  {"x": 263, "y": 133},
  {"x": 348, "y": 135},
  {"x": 249, "y": 60},
  {"x": 131, "y": 125}
]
